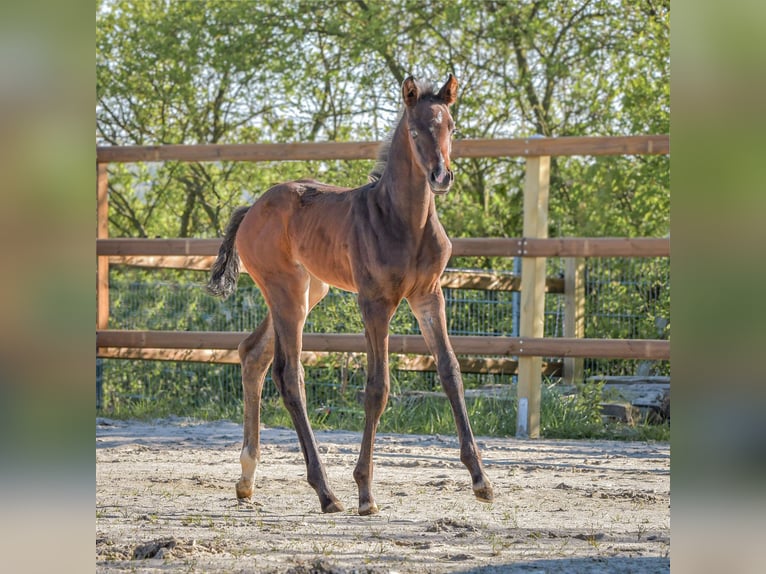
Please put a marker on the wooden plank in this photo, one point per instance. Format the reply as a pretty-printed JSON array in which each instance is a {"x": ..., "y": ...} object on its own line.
[
  {"x": 102, "y": 232},
  {"x": 563, "y": 146},
  {"x": 406, "y": 344},
  {"x": 596, "y": 348},
  {"x": 240, "y": 152},
  {"x": 188, "y": 262},
  {"x": 532, "y": 320},
  {"x": 224, "y": 356},
  {"x": 481, "y": 281},
  {"x": 487, "y": 365},
  {"x": 574, "y": 315},
  {"x": 597, "y": 247},
  {"x": 493, "y": 282},
  {"x": 166, "y": 247},
  {"x": 140, "y": 246},
  {"x": 519, "y": 147},
  {"x": 631, "y": 379},
  {"x": 462, "y": 246},
  {"x": 486, "y": 246},
  {"x": 481, "y": 365}
]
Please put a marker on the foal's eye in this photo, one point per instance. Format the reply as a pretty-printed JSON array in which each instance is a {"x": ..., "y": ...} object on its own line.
[{"x": 414, "y": 133}]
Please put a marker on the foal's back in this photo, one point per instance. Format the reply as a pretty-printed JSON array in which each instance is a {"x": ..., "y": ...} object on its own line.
[{"x": 302, "y": 223}]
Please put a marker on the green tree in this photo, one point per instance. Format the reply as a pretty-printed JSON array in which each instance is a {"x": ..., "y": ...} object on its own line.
[{"x": 217, "y": 71}]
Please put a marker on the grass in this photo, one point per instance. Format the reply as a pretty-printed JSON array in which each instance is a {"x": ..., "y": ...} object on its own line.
[
  {"x": 574, "y": 416},
  {"x": 142, "y": 408}
]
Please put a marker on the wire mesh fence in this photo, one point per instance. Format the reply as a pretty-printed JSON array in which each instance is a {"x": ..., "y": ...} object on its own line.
[{"x": 625, "y": 298}]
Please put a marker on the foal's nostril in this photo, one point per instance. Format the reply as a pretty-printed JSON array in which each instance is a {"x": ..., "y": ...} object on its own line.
[{"x": 438, "y": 176}]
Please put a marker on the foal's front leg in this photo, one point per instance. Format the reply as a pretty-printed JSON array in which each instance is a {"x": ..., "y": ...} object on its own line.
[
  {"x": 430, "y": 313},
  {"x": 376, "y": 315}
]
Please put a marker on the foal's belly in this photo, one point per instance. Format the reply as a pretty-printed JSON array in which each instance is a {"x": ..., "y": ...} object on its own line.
[{"x": 330, "y": 268}]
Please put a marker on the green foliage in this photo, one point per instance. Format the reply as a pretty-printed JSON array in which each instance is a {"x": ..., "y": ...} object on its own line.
[
  {"x": 270, "y": 71},
  {"x": 153, "y": 389},
  {"x": 572, "y": 416},
  {"x": 611, "y": 196}
]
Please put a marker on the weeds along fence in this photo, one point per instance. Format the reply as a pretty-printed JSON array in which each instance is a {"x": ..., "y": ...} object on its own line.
[{"x": 497, "y": 320}]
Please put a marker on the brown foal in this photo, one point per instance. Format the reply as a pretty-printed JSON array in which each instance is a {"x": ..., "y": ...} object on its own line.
[{"x": 382, "y": 241}]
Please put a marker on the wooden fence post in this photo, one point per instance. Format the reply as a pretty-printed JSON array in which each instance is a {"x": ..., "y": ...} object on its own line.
[
  {"x": 532, "y": 320},
  {"x": 102, "y": 232},
  {"x": 574, "y": 314}
]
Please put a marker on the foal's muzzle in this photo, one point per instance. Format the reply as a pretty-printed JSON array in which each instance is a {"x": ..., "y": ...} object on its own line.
[{"x": 441, "y": 180}]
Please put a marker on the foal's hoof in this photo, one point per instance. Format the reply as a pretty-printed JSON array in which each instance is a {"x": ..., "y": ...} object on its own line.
[
  {"x": 334, "y": 506},
  {"x": 483, "y": 492},
  {"x": 244, "y": 491},
  {"x": 368, "y": 508}
]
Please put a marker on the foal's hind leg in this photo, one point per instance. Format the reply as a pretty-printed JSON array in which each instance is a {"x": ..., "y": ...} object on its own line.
[
  {"x": 288, "y": 299},
  {"x": 429, "y": 310},
  {"x": 255, "y": 353}
]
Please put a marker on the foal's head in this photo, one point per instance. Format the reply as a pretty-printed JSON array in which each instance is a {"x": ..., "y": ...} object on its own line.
[{"x": 430, "y": 128}]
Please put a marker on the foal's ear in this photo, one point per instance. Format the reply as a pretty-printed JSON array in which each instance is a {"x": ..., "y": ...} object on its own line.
[
  {"x": 448, "y": 93},
  {"x": 410, "y": 92}
]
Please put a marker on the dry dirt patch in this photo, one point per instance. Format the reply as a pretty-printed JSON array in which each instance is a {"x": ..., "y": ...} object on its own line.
[{"x": 165, "y": 502}]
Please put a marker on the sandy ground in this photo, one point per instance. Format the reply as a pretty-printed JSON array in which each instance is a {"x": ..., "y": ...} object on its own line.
[{"x": 165, "y": 502}]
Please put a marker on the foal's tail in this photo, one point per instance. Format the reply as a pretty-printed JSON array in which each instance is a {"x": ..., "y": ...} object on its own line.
[{"x": 225, "y": 270}]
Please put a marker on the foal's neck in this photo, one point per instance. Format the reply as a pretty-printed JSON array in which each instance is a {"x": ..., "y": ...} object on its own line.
[{"x": 404, "y": 182}]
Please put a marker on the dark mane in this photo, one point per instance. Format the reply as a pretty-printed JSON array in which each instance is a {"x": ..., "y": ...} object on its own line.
[{"x": 427, "y": 90}]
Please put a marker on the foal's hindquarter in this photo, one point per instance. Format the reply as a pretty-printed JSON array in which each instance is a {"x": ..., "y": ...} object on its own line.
[{"x": 382, "y": 241}]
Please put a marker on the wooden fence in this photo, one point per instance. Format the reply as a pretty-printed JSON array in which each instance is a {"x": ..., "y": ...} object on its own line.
[{"x": 533, "y": 248}]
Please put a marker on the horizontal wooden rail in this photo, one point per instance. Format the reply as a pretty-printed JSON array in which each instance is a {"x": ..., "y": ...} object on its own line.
[
  {"x": 450, "y": 279},
  {"x": 188, "y": 262},
  {"x": 482, "y": 365},
  {"x": 405, "y": 344},
  {"x": 135, "y": 246},
  {"x": 561, "y": 247},
  {"x": 597, "y": 247},
  {"x": 461, "y": 246},
  {"x": 518, "y": 147}
]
